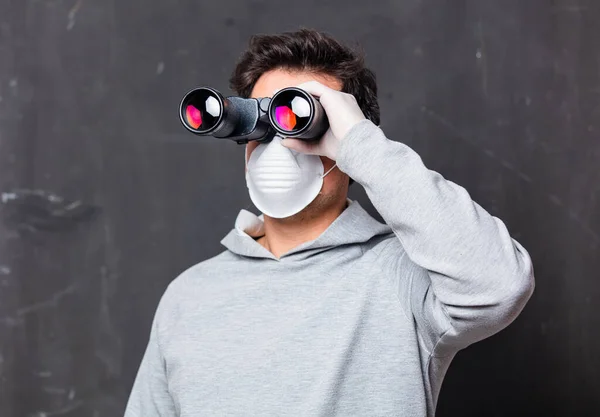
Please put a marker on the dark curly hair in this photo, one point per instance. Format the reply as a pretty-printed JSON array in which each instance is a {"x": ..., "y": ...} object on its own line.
[{"x": 308, "y": 50}]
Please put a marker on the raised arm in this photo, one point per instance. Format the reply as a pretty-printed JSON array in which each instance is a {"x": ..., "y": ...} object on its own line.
[
  {"x": 464, "y": 277},
  {"x": 457, "y": 270}
]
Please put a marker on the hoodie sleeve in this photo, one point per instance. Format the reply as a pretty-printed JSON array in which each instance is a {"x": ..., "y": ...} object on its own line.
[
  {"x": 464, "y": 278},
  {"x": 150, "y": 395}
]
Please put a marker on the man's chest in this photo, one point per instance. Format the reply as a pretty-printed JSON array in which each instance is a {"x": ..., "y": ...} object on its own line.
[{"x": 290, "y": 342}]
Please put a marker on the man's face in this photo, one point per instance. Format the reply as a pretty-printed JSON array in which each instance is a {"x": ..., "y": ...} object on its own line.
[{"x": 335, "y": 184}]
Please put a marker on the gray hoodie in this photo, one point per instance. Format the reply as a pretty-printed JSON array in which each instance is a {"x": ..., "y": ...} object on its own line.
[{"x": 362, "y": 321}]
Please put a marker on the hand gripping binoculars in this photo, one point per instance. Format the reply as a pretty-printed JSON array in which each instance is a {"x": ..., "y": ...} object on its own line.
[{"x": 291, "y": 112}]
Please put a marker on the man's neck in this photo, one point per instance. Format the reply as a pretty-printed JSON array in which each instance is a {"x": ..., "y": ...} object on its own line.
[{"x": 283, "y": 235}]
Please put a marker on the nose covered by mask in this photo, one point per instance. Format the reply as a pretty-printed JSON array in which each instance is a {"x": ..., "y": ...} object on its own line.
[{"x": 281, "y": 181}]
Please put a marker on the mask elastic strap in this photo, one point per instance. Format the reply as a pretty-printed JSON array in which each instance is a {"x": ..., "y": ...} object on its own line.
[{"x": 332, "y": 168}]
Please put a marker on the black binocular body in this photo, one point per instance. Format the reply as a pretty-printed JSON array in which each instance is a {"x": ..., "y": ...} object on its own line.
[{"x": 291, "y": 112}]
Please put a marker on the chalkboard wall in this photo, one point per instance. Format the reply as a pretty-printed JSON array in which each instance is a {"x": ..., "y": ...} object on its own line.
[{"x": 105, "y": 198}]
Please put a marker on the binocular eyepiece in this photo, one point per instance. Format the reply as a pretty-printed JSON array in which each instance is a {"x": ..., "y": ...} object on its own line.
[{"x": 291, "y": 112}]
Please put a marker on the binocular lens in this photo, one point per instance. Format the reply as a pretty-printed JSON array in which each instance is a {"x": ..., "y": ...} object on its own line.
[
  {"x": 203, "y": 110},
  {"x": 292, "y": 111}
]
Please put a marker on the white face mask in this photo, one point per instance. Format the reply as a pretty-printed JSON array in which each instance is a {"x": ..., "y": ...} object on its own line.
[{"x": 282, "y": 182}]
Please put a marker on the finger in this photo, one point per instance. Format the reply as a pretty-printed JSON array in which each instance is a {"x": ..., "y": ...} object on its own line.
[
  {"x": 328, "y": 137},
  {"x": 301, "y": 146},
  {"x": 315, "y": 88}
]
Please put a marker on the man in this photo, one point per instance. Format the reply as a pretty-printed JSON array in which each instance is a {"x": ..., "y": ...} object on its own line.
[{"x": 317, "y": 309}]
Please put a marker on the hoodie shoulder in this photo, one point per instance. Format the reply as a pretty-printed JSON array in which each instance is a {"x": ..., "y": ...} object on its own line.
[
  {"x": 185, "y": 285},
  {"x": 204, "y": 270}
]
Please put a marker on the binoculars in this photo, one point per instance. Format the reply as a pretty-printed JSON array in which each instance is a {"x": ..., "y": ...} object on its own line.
[{"x": 291, "y": 112}]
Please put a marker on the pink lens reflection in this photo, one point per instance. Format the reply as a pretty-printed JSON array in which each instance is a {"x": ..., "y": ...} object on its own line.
[
  {"x": 193, "y": 116},
  {"x": 285, "y": 117}
]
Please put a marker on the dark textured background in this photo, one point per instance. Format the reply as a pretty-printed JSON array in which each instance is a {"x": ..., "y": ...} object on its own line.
[{"x": 105, "y": 197}]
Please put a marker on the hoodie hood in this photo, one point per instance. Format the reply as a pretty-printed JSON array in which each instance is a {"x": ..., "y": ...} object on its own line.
[{"x": 353, "y": 226}]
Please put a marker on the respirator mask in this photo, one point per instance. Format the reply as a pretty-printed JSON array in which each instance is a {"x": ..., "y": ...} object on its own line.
[{"x": 281, "y": 182}]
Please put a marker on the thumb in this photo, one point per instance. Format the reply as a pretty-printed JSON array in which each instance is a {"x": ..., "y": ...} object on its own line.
[{"x": 301, "y": 146}]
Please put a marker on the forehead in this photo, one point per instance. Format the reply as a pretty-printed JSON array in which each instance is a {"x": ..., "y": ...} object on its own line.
[{"x": 277, "y": 79}]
